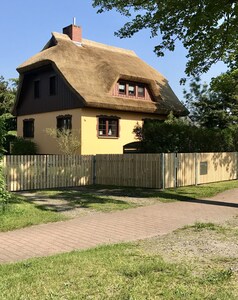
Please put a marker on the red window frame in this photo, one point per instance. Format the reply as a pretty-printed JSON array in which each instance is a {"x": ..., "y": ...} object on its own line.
[
  {"x": 129, "y": 92},
  {"x": 108, "y": 127}
]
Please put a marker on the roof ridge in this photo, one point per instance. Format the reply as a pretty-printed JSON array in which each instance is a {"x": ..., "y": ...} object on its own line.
[{"x": 108, "y": 47}]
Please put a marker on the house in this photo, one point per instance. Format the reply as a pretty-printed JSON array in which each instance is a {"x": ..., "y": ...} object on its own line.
[{"x": 99, "y": 91}]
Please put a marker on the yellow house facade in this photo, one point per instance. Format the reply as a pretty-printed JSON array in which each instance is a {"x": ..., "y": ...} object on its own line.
[
  {"x": 98, "y": 92},
  {"x": 84, "y": 126}
]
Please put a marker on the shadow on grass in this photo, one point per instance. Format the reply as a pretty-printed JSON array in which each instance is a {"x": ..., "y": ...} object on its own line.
[
  {"x": 98, "y": 198},
  {"x": 70, "y": 199}
]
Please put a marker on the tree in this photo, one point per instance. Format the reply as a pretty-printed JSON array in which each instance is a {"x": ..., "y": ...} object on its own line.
[
  {"x": 207, "y": 28},
  {"x": 67, "y": 140},
  {"x": 7, "y": 94},
  {"x": 214, "y": 106},
  {"x": 8, "y": 90}
]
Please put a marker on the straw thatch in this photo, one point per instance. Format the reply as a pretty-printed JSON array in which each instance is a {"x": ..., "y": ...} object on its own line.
[{"x": 92, "y": 69}]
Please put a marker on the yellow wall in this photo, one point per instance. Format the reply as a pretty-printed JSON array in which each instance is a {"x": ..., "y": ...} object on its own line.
[
  {"x": 90, "y": 142},
  {"x": 84, "y": 121},
  {"x": 45, "y": 143}
]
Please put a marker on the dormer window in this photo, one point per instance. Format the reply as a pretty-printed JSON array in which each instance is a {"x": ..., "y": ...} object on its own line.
[
  {"x": 122, "y": 88},
  {"x": 131, "y": 90},
  {"x": 141, "y": 91}
]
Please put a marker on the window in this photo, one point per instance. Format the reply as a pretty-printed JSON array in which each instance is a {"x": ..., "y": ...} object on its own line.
[
  {"x": 28, "y": 128},
  {"x": 37, "y": 89},
  {"x": 108, "y": 127},
  {"x": 64, "y": 122},
  {"x": 122, "y": 88},
  {"x": 52, "y": 85},
  {"x": 141, "y": 91},
  {"x": 131, "y": 89}
]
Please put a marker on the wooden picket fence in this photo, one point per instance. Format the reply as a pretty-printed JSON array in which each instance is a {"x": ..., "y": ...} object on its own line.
[{"x": 30, "y": 172}]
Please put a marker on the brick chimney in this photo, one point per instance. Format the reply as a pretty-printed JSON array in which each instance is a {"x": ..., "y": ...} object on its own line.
[{"x": 74, "y": 32}]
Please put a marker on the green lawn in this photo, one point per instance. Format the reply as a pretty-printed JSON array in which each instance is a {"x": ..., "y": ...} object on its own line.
[
  {"x": 20, "y": 213},
  {"x": 117, "y": 272},
  {"x": 103, "y": 198}
]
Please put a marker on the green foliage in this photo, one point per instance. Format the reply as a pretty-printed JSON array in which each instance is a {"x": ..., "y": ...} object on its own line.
[
  {"x": 20, "y": 146},
  {"x": 2, "y": 135},
  {"x": 179, "y": 136},
  {"x": 8, "y": 91},
  {"x": 67, "y": 139},
  {"x": 7, "y": 94},
  {"x": 207, "y": 29},
  {"x": 4, "y": 194},
  {"x": 214, "y": 106}
]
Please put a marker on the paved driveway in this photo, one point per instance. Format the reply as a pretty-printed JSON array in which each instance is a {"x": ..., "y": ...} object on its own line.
[{"x": 106, "y": 228}]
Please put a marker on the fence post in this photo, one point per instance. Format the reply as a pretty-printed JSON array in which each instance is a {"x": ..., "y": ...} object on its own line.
[
  {"x": 196, "y": 168},
  {"x": 94, "y": 169},
  {"x": 236, "y": 165},
  {"x": 175, "y": 170},
  {"x": 162, "y": 171}
]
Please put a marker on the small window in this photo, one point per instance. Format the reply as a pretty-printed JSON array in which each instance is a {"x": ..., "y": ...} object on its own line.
[
  {"x": 132, "y": 90},
  {"x": 122, "y": 88},
  {"x": 108, "y": 127},
  {"x": 203, "y": 168},
  {"x": 141, "y": 91},
  {"x": 52, "y": 85},
  {"x": 64, "y": 122},
  {"x": 28, "y": 128},
  {"x": 37, "y": 89}
]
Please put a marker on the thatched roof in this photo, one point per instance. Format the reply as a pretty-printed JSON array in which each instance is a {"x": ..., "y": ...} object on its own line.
[{"x": 92, "y": 69}]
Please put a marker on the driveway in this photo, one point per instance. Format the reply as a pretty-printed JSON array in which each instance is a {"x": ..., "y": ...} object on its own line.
[{"x": 107, "y": 228}]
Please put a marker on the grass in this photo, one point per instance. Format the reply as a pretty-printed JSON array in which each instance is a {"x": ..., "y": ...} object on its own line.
[
  {"x": 20, "y": 214},
  {"x": 120, "y": 271},
  {"x": 97, "y": 197},
  {"x": 86, "y": 200}
]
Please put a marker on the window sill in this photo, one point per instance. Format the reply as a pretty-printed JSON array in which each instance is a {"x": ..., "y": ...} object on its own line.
[{"x": 108, "y": 137}]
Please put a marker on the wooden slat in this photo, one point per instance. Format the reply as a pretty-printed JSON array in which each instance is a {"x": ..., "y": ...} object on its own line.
[{"x": 27, "y": 172}]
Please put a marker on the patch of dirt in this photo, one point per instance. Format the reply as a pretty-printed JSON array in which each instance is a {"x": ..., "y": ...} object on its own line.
[{"x": 218, "y": 246}]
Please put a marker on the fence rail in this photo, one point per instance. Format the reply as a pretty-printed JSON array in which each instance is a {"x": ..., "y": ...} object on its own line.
[{"x": 29, "y": 172}]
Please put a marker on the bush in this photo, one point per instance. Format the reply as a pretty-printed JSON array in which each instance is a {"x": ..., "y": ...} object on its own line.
[
  {"x": 4, "y": 194},
  {"x": 22, "y": 147},
  {"x": 178, "y": 136}
]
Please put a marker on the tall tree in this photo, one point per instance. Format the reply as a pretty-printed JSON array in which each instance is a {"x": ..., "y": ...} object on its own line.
[
  {"x": 207, "y": 28},
  {"x": 214, "y": 106},
  {"x": 7, "y": 94},
  {"x": 8, "y": 91}
]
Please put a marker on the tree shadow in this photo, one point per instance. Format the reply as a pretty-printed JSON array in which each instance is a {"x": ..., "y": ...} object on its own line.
[
  {"x": 91, "y": 197},
  {"x": 70, "y": 199}
]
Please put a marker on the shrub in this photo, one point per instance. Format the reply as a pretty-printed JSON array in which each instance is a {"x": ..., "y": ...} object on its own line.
[
  {"x": 4, "y": 194},
  {"x": 178, "y": 136},
  {"x": 22, "y": 147}
]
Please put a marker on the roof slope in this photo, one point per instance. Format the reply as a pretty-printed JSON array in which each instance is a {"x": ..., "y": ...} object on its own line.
[{"x": 92, "y": 69}]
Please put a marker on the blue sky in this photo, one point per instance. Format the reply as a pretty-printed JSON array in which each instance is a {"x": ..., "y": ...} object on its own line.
[{"x": 26, "y": 26}]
